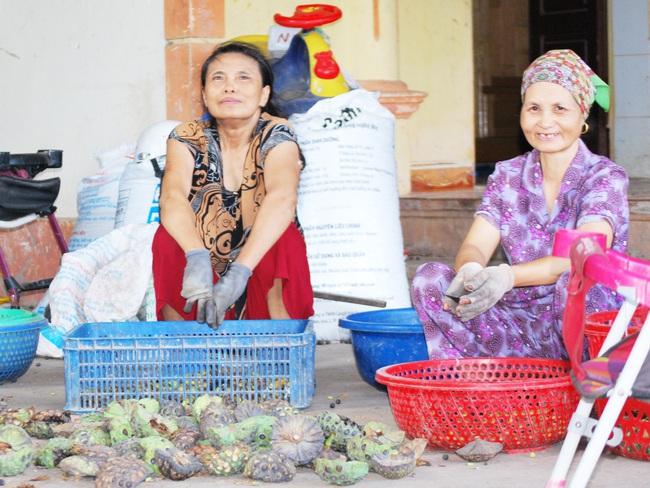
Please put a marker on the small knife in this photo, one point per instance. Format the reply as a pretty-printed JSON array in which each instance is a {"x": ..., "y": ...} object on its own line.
[{"x": 454, "y": 299}]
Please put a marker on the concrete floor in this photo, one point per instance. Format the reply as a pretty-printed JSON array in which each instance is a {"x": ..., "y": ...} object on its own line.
[{"x": 43, "y": 387}]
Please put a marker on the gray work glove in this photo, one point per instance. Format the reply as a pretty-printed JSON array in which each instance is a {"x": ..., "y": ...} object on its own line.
[
  {"x": 198, "y": 283},
  {"x": 227, "y": 290},
  {"x": 487, "y": 288},
  {"x": 457, "y": 287}
]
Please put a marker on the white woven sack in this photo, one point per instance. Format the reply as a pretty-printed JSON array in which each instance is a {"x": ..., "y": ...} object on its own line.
[{"x": 349, "y": 207}]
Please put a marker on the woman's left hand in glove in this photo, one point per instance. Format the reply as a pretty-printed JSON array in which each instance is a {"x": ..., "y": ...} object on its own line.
[
  {"x": 488, "y": 287},
  {"x": 227, "y": 290}
]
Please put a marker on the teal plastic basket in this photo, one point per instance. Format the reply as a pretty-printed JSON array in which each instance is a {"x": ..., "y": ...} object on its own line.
[
  {"x": 19, "y": 331},
  {"x": 246, "y": 360}
]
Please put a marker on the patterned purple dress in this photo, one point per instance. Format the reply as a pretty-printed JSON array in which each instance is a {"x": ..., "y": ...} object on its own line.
[{"x": 527, "y": 321}]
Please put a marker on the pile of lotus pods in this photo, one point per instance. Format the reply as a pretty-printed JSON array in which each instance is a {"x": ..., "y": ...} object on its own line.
[{"x": 133, "y": 440}]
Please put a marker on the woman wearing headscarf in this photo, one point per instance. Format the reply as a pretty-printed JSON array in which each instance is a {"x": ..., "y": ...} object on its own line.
[{"x": 515, "y": 309}]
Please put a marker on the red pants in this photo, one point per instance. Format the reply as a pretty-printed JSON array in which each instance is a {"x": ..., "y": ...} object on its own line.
[{"x": 286, "y": 260}]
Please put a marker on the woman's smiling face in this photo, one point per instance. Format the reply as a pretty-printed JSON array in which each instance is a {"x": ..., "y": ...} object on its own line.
[
  {"x": 233, "y": 87},
  {"x": 550, "y": 118}
]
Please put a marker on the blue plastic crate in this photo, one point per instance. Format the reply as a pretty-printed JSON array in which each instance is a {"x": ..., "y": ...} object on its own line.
[{"x": 247, "y": 360}]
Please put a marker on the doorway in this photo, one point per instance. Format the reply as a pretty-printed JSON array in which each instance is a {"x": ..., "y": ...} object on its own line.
[{"x": 508, "y": 36}]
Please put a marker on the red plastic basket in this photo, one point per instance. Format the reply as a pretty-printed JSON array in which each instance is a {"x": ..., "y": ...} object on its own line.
[
  {"x": 634, "y": 419},
  {"x": 525, "y": 404}
]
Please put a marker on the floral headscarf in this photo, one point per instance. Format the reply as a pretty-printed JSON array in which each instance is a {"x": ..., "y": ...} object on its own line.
[{"x": 565, "y": 68}]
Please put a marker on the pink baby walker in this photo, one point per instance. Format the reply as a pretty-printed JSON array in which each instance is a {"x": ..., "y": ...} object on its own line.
[
  {"x": 22, "y": 200},
  {"x": 622, "y": 368}
]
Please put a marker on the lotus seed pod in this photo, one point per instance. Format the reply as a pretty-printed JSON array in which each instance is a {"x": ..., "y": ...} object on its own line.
[
  {"x": 393, "y": 466},
  {"x": 16, "y": 450},
  {"x": 278, "y": 408},
  {"x": 298, "y": 437},
  {"x": 176, "y": 464},
  {"x": 479, "y": 451},
  {"x": 80, "y": 466},
  {"x": 15, "y": 461},
  {"x": 172, "y": 408},
  {"x": 185, "y": 439},
  {"x": 130, "y": 447},
  {"x": 224, "y": 462},
  {"x": 246, "y": 409},
  {"x": 39, "y": 429},
  {"x": 91, "y": 435},
  {"x": 123, "y": 471},
  {"x": 340, "y": 472},
  {"x": 270, "y": 466},
  {"x": 150, "y": 445},
  {"x": 50, "y": 454},
  {"x": 119, "y": 429}
]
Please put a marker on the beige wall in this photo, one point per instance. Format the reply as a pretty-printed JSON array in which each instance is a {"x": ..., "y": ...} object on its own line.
[
  {"x": 79, "y": 76},
  {"x": 435, "y": 51}
]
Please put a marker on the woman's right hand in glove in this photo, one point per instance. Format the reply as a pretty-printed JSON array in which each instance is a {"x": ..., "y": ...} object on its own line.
[
  {"x": 198, "y": 284},
  {"x": 457, "y": 287}
]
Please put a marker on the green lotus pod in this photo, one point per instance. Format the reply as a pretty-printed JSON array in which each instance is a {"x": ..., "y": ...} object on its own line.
[
  {"x": 375, "y": 428},
  {"x": 130, "y": 405},
  {"x": 91, "y": 435},
  {"x": 263, "y": 429},
  {"x": 328, "y": 421},
  {"x": 227, "y": 461},
  {"x": 150, "y": 445},
  {"x": 119, "y": 429},
  {"x": 202, "y": 402},
  {"x": 255, "y": 431},
  {"x": 363, "y": 448},
  {"x": 344, "y": 431},
  {"x": 18, "y": 417},
  {"x": 50, "y": 454},
  {"x": 147, "y": 424},
  {"x": 215, "y": 418},
  {"x": 17, "y": 451},
  {"x": 15, "y": 461},
  {"x": 151, "y": 405},
  {"x": 270, "y": 466},
  {"x": 393, "y": 437},
  {"x": 340, "y": 472},
  {"x": 15, "y": 436},
  {"x": 221, "y": 437},
  {"x": 114, "y": 409},
  {"x": 39, "y": 429}
]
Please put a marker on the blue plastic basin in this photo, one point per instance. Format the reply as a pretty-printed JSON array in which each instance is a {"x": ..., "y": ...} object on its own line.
[{"x": 383, "y": 338}]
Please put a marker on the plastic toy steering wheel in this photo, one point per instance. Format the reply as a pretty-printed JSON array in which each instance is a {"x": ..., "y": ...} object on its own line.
[{"x": 310, "y": 16}]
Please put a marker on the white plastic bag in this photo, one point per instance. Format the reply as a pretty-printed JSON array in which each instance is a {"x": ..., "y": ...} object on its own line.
[
  {"x": 110, "y": 280},
  {"x": 348, "y": 205}
]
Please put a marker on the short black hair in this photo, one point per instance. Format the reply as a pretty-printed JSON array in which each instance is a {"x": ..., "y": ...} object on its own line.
[{"x": 256, "y": 55}]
